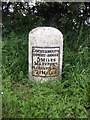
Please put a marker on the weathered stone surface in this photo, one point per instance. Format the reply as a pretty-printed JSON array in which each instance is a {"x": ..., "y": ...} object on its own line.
[{"x": 45, "y": 53}]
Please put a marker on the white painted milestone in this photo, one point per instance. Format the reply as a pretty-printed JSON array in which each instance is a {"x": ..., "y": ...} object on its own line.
[{"x": 45, "y": 53}]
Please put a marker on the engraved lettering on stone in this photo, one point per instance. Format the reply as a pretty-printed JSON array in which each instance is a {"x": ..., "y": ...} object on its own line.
[{"x": 45, "y": 61}]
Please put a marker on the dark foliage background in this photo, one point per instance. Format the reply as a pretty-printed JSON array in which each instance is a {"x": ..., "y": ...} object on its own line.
[{"x": 64, "y": 16}]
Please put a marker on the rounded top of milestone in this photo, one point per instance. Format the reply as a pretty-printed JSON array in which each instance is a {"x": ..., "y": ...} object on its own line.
[
  {"x": 47, "y": 35},
  {"x": 46, "y": 31}
]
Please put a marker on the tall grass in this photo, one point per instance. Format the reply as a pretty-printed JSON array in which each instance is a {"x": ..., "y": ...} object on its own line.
[{"x": 68, "y": 98}]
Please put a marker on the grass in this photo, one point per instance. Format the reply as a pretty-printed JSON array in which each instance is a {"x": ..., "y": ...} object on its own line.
[{"x": 68, "y": 98}]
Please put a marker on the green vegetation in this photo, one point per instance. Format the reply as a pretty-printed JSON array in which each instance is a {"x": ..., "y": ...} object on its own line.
[
  {"x": 66, "y": 98},
  {"x": 58, "y": 99}
]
